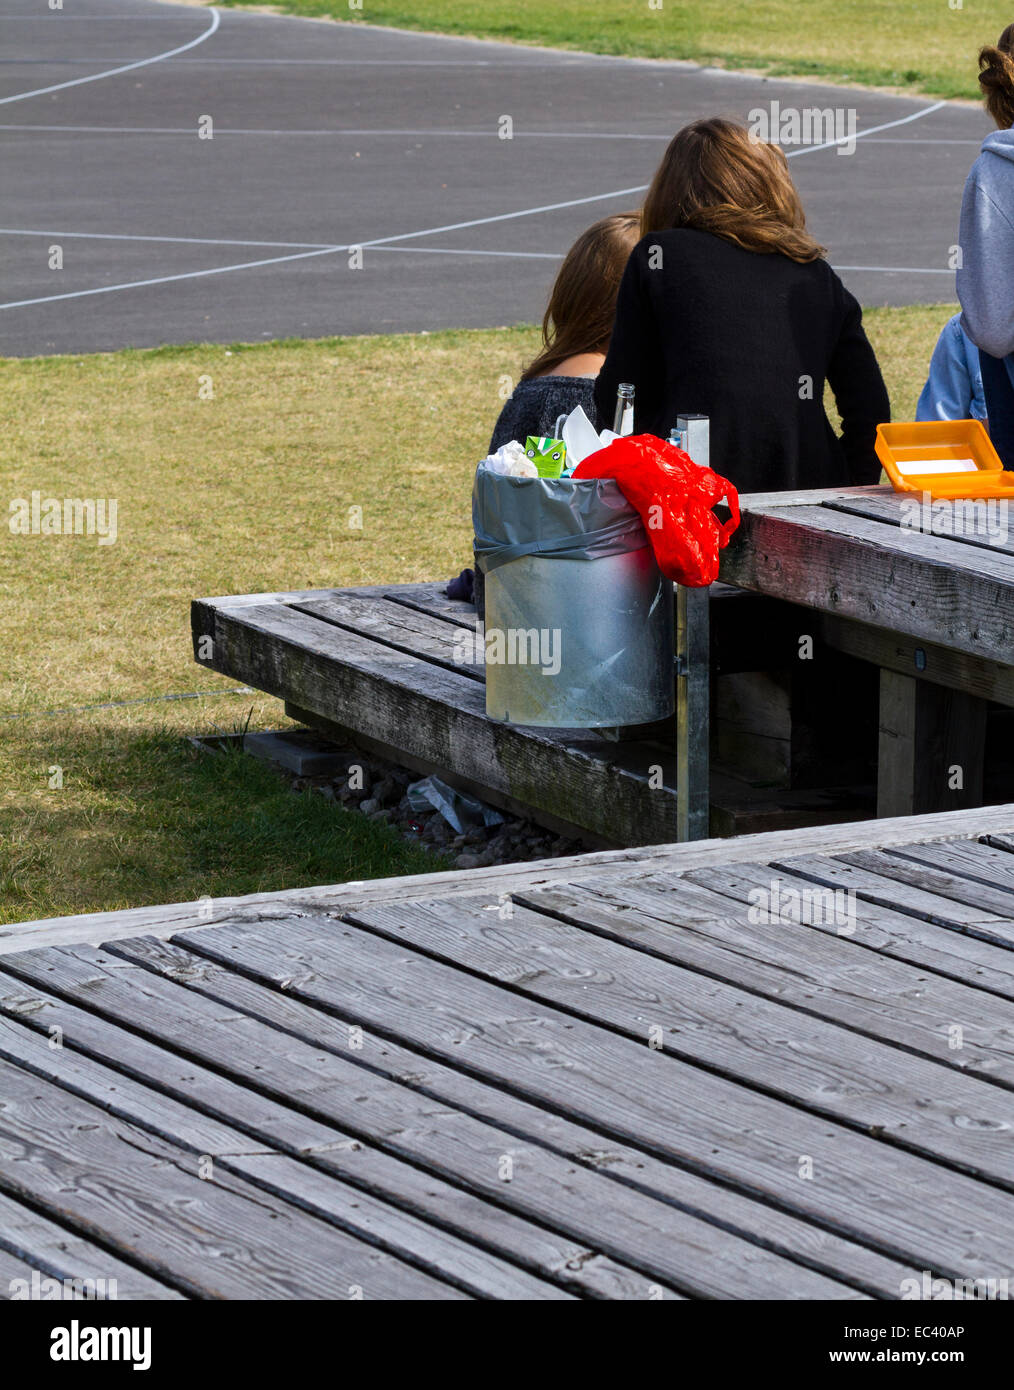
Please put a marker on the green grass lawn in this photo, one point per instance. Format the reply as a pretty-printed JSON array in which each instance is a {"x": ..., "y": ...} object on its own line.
[
  {"x": 255, "y": 488},
  {"x": 916, "y": 45}
]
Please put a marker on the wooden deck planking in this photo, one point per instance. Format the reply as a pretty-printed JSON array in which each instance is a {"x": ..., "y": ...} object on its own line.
[
  {"x": 279, "y": 1129},
  {"x": 831, "y": 1070},
  {"x": 406, "y": 629},
  {"x": 817, "y": 1247},
  {"x": 986, "y": 902},
  {"x": 143, "y": 1196},
  {"x": 799, "y": 966},
  {"x": 627, "y": 1226},
  {"x": 974, "y": 860},
  {"x": 889, "y": 932},
  {"x": 361, "y": 1068},
  {"x": 890, "y": 890},
  {"x": 398, "y": 1231},
  {"x": 674, "y": 1109},
  {"x": 888, "y": 508},
  {"x": 51, "y": 1251}
]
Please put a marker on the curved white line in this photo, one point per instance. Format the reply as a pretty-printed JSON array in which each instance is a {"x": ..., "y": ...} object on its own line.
[
  {"x": 873, "y": 130},
  {"x": 216, "y": 19}
]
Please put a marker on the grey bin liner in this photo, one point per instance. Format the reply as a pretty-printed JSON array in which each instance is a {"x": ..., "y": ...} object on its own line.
[{"x": 579, "y": 619}]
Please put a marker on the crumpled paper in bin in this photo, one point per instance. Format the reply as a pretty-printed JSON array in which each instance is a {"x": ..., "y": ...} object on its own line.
[{"x": 461, "y": 812}]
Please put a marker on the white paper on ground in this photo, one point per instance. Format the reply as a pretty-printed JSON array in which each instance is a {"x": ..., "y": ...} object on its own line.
[{"x": 913, "y": 466}]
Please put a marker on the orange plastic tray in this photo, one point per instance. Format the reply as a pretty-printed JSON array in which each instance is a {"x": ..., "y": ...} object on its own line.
[{"x": 903, "y": 447}]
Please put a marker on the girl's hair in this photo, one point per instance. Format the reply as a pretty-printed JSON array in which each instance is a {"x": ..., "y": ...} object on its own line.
[
  {"x": 582, "y": 305},
  {"x": 996, "y": 78},
  {"x": 716, "y": 177}
]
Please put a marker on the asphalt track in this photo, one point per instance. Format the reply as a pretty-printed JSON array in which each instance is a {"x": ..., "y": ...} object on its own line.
[{"x": 326, "y": 136}]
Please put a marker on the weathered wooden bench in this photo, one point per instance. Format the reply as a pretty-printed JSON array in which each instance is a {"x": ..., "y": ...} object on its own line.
[{"x": 383, "y": 666}]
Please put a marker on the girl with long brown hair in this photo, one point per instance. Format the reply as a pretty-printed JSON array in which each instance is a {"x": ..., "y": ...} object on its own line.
[
  {"x": 575, "y": 332},
  {"x": 728, "y": 309}
]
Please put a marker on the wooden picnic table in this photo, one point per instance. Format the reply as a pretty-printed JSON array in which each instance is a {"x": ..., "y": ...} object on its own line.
[
  {"x": 603, "y": 1077},
  {"x": 935, "y": 612}
]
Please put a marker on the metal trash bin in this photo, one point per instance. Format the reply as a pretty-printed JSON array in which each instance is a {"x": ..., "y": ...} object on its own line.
[{"x": 578, "y": 617}]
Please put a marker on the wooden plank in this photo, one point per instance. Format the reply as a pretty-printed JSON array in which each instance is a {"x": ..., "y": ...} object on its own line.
[
  {"x": 878, "y": 928},
  {"x": 18, "y": 1277},
  {"x": 925, "y": 586},
  {"x": 165, "y": 920},
  {"x": 983, "y": 863},
  {"x": 635, "y": 1093},
  {"x": 912, "y": 656},
  {"x": 433, "y": 713},
  {"x": 431, "y": 599},
  {"x": 400, "y": 1233},
  {"x": 739, "y": 809},
  {"x": 819, "y": 1249},
  {"x": 427, "y": 767},
  {"x": 791, "y": 963},
  {"x": 807, "y": 497},
  {"x": 890, "y": 507},
  {"x": 47, "y": 1250},
  {"x": 141, "y": 1196},
  {"x": 851, "y": 1077},
  {"x": 661, "y": 1241},
  {"x": 972, "y": 899},
  {"x": 404, "y": 628},
  {"x": 875, "y": 886},
  {"x": 693, "y": 706},
  {"x": 232, "y": 1108},
  {"x": 932, "y": 743}
]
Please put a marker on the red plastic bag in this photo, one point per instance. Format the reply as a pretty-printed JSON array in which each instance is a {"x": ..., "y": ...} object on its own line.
[{"x": 674, "y": 496}]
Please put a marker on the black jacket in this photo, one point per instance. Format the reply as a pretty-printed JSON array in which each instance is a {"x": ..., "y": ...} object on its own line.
[{"x": 749, "y": 340}]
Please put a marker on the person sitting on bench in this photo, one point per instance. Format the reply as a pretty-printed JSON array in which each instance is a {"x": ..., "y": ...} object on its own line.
[
  {"x": 953, "y": 389},
  {"x": 575, "y": 333},
  {"x": 728, "y": 309}
]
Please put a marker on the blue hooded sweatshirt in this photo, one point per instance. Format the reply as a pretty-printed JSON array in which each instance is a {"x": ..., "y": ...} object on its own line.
[
  {"x": 953, "y": 389},
  {"x": 985, "y": 280}
]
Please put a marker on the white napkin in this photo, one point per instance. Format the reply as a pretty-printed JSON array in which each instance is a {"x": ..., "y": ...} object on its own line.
[
  {"x": 580, "y": 437},
  {"x": 510, "y": 459}
]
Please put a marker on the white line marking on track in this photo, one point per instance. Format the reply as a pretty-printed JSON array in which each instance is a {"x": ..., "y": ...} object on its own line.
[
  {"x": 862, "y": 134},
  {"x": 454, "y": 251},
  {"x": 167, "y": 279},
  {"x": 373, "y": 246},
  {"x": 185, "y": 240},
  {"x": 489, "y": 134},
  {"x": 216, "y": 19},
  {"x": 428, "y": 231}
]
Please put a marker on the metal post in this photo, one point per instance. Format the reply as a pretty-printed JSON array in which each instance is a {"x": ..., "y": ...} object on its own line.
[{"x": 693, "y": 679}]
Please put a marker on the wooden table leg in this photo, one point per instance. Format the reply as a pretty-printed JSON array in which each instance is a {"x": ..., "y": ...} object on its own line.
[
  {"x": 931, "y": 747},
  {"x": 693, "y": 714}
]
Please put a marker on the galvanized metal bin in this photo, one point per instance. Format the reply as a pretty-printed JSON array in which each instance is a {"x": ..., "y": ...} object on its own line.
[{"x": 579, "y": 620}]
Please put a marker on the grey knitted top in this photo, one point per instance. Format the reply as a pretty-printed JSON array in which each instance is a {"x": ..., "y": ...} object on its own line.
[{"x": 535, "y": 406}]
